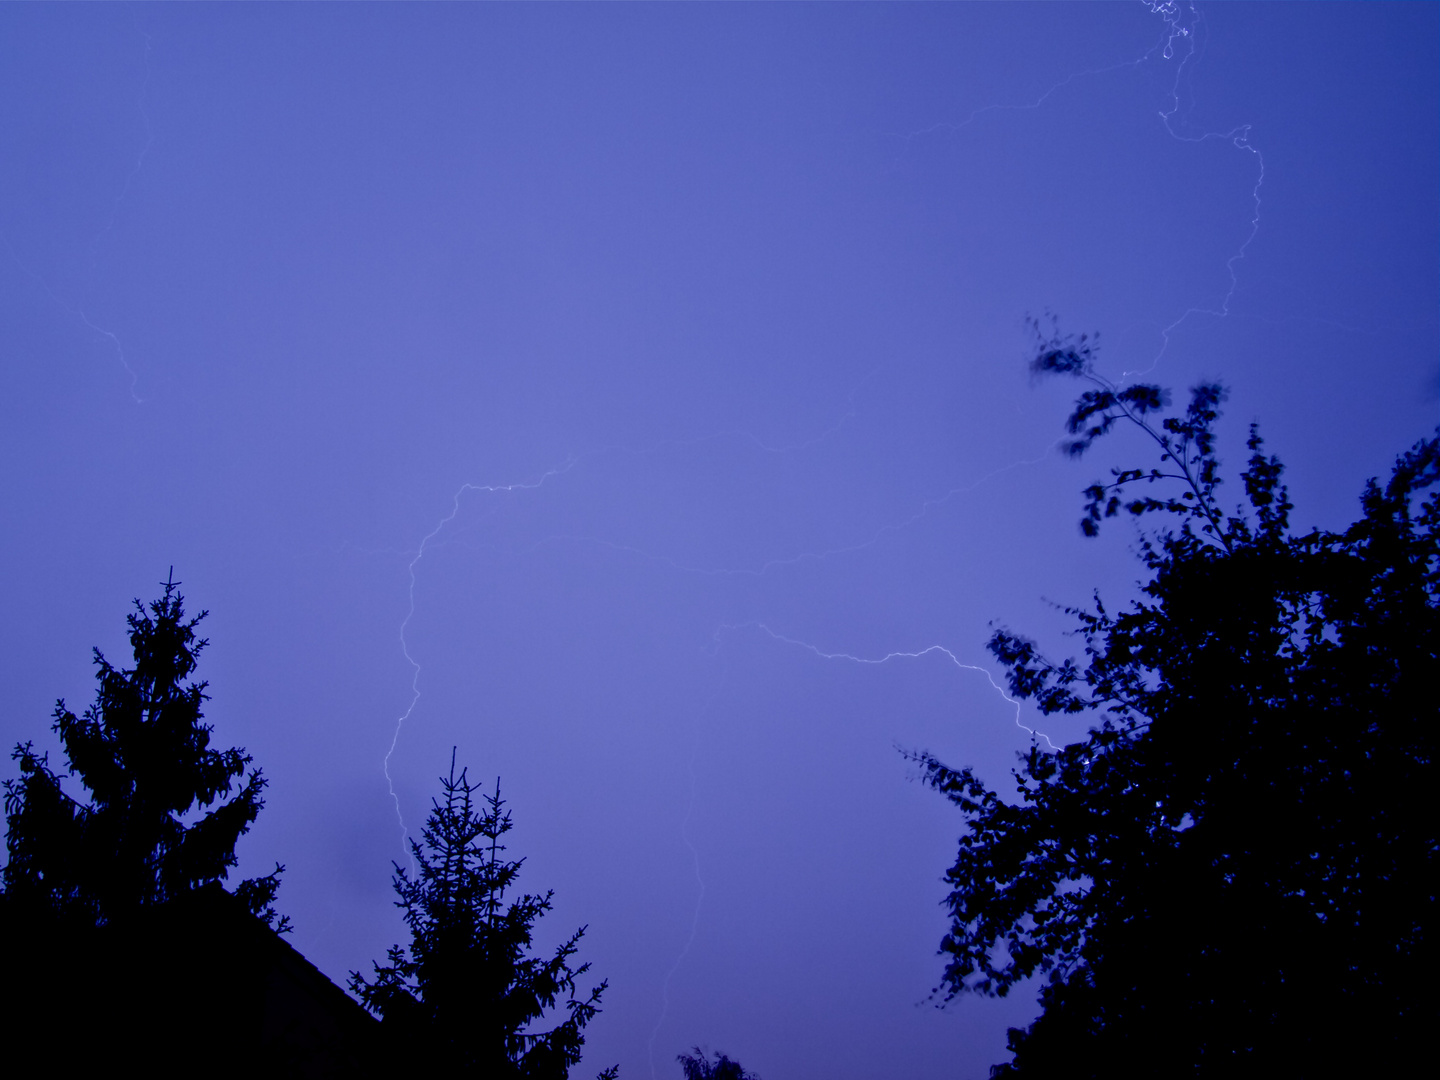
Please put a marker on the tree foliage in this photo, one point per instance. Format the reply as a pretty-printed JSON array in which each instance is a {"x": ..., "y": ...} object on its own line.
[
  {"x": 1235, "y": 871},
  {"x": 698, "y": 1066},
  {"x": 143, "y": 753},
  {"x": 466, "y": 995}
]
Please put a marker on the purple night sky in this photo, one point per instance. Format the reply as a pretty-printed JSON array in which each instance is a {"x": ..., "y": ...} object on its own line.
[{"x": 635, "y": 398}]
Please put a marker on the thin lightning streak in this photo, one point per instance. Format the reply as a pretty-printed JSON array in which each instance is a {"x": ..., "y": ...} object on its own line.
[
  {"x": 1239, "y": 137},
  {"x": 529, "y": 485},
  {"x": 139, "y": 159},
  {"x": 119, "y": 351},
  {"x": 106, "y": 229},
  {"x": 895, "y": 655},
  {"x": 1171, "y": 12},
  {"x": 1166, "y": 10},
  {"x": 699, "y": 881},
  {"x": 78, "y": 313}
]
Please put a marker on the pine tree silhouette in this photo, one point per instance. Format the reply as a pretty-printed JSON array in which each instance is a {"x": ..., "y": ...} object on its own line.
[
  {"x": 143, "y": 753},
  {"x": 465, "y": 994}
]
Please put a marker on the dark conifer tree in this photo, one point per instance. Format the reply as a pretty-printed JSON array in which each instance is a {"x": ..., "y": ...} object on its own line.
[
  {"x": 143, "y": 753},
  {"x": 463, "y": 999}
]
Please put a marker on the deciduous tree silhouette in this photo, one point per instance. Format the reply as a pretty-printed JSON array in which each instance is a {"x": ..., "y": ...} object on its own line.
[
  {"x": 143, "y": 753},
  {"x": 465, "y": 995},
  {"x": 1235, "y": 872},
  {"x": 698, "y": 1066}
]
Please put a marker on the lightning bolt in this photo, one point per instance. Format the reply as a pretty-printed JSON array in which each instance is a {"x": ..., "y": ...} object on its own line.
[
  {"x": 699, "y": 881},
  {"x": 74, "y": 311},
  {"x": 877, "y": 661},
  {"x": 460, "y": 492},
  {"x": 1175, "y": 29},
  {"x": 79, "y": 314},
  {"x": 134, "y": 172},
  {"x": 1182, "y": 23}
]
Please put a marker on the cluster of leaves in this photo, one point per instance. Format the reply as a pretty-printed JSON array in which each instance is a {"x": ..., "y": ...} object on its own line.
[
  {"x": 1235, "y": 872},
  {"x": 1186, "y": 443},
  {"x": 699, "y": 1066},
  {"x": 143, "y": 752},
  {"x": 466, "y": 994}
]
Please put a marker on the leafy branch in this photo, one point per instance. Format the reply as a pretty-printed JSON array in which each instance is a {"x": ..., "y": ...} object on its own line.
[{"x": 1186, "y": 442}]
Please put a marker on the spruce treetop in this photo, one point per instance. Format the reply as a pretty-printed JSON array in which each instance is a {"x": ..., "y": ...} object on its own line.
[
  {"x": 467, "y": 994},
  {"x": 157, "y": 822}
]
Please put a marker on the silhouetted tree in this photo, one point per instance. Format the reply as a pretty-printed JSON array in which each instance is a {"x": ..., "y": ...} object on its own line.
[
  {"x": 466, "y": 993},
  {"x": 698, "y": 1066},
  {"x": 1235, "y": 872},
  {"x": 143, "y": 753},
  {"x": 122, "y": 947}
]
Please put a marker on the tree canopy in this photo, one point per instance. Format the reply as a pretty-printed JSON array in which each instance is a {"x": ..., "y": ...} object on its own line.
[
  {"x": 143, "y": 753},
  {"x": 699, "y": 1066},
  {"x": 1235, "y": 871},
  {"x": 466, "y": 995}
]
